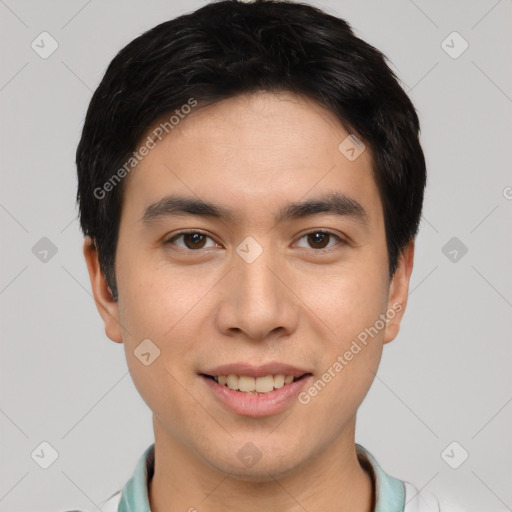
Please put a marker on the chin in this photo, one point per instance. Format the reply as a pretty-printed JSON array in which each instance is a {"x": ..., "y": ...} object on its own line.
[{"x": 268, "y": 468}]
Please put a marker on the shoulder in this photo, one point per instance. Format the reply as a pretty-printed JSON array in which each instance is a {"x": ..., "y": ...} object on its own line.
[{"x": 424, "y": 501}]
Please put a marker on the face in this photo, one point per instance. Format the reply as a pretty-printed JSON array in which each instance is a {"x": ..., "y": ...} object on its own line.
[{"x": 268, "y": 283}]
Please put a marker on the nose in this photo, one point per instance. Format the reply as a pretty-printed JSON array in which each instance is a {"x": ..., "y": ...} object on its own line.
[{"x": 258, "y": 300}]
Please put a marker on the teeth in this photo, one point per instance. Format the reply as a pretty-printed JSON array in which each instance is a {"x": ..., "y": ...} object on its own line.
[
  {"x": 279, "y": 381},
  {"x": 232, "y": 381},
  {"x": 246, "y": 384},
  {"x": 263, "y": 384},
  {"x": 253, "y": 385}
]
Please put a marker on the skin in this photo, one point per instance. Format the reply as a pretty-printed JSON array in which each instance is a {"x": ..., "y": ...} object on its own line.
[{"x": 205, "y": 307}]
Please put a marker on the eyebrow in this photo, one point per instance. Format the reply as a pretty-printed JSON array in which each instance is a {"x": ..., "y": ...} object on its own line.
[{"x": 333, "y": 203}]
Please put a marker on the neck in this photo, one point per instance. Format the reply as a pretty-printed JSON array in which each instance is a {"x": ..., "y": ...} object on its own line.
[{"x": 331, "y": 480}]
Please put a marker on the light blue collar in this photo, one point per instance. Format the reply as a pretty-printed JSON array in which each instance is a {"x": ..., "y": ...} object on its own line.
[
  {"x": 134, "y": 497},
  {"x": 390, "y": 492}
]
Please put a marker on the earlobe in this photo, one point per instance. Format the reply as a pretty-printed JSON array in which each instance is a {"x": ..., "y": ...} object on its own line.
[
  {"x": 398, "y": 292},
  {"x": 106, "y": 305}
]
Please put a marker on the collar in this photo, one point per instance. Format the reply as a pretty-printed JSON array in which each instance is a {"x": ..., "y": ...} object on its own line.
[{"x": 389, "y": 491}]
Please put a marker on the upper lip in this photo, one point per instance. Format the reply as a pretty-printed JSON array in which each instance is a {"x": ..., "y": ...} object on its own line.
[{"x": 272, "y": 368}]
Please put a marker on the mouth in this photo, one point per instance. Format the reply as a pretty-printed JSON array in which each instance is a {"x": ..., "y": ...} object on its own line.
[
  {"x": 256, "y": 391},
  {"x": 255, "y": 385}
]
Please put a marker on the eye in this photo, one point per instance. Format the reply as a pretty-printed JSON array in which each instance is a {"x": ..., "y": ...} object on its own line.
[
  {"x": 192, "y": 240},
  {"x": 320, "y": 239},
  {"x": 196, "y": 240}
]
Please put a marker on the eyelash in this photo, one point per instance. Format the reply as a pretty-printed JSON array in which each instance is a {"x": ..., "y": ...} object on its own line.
[{"x": 170, "y": 240}]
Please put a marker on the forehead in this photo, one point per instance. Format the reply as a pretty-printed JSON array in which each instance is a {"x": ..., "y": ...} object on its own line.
[{"x": 254, "y": 151}]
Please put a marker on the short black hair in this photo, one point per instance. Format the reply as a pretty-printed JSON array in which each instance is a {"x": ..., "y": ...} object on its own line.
[{"x": 227, "y": 48}]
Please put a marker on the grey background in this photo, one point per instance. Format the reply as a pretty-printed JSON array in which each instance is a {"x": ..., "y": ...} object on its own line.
[{"x": 447, "y": 377}]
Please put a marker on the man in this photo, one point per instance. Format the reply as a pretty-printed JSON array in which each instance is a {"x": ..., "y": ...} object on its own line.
[{"x": 250, "y": 187}]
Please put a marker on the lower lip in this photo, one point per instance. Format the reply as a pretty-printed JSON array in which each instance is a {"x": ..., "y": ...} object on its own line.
[{"x": 257, "y": 406}]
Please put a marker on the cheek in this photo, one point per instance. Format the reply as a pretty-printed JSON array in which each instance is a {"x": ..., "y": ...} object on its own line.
[
  {"x": 351, "y": 350},
  {"x": 350, "y": 299},
  {"x": 153, "y": 313},
  {"x": 353, "y": 310},
  {"x": 153, "y": 298},
  {"x": 166, "y": 306}
]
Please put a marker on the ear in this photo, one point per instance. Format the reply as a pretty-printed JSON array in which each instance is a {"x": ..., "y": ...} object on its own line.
[
  {"x": 106, "y": 305},
  {"x": 398, "y": 292}
]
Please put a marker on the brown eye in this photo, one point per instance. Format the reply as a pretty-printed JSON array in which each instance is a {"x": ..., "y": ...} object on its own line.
[
  {"x": 192, "y": 240},
  {"x": 321, "y": 239},
  {"x": 318, "y": 240}
]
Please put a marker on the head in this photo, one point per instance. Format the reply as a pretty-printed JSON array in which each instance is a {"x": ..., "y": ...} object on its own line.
[{"x": 239, "y": 123}]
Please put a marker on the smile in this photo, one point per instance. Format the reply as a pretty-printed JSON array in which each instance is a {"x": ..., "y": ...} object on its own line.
[{"x": 252, "y": 385}]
